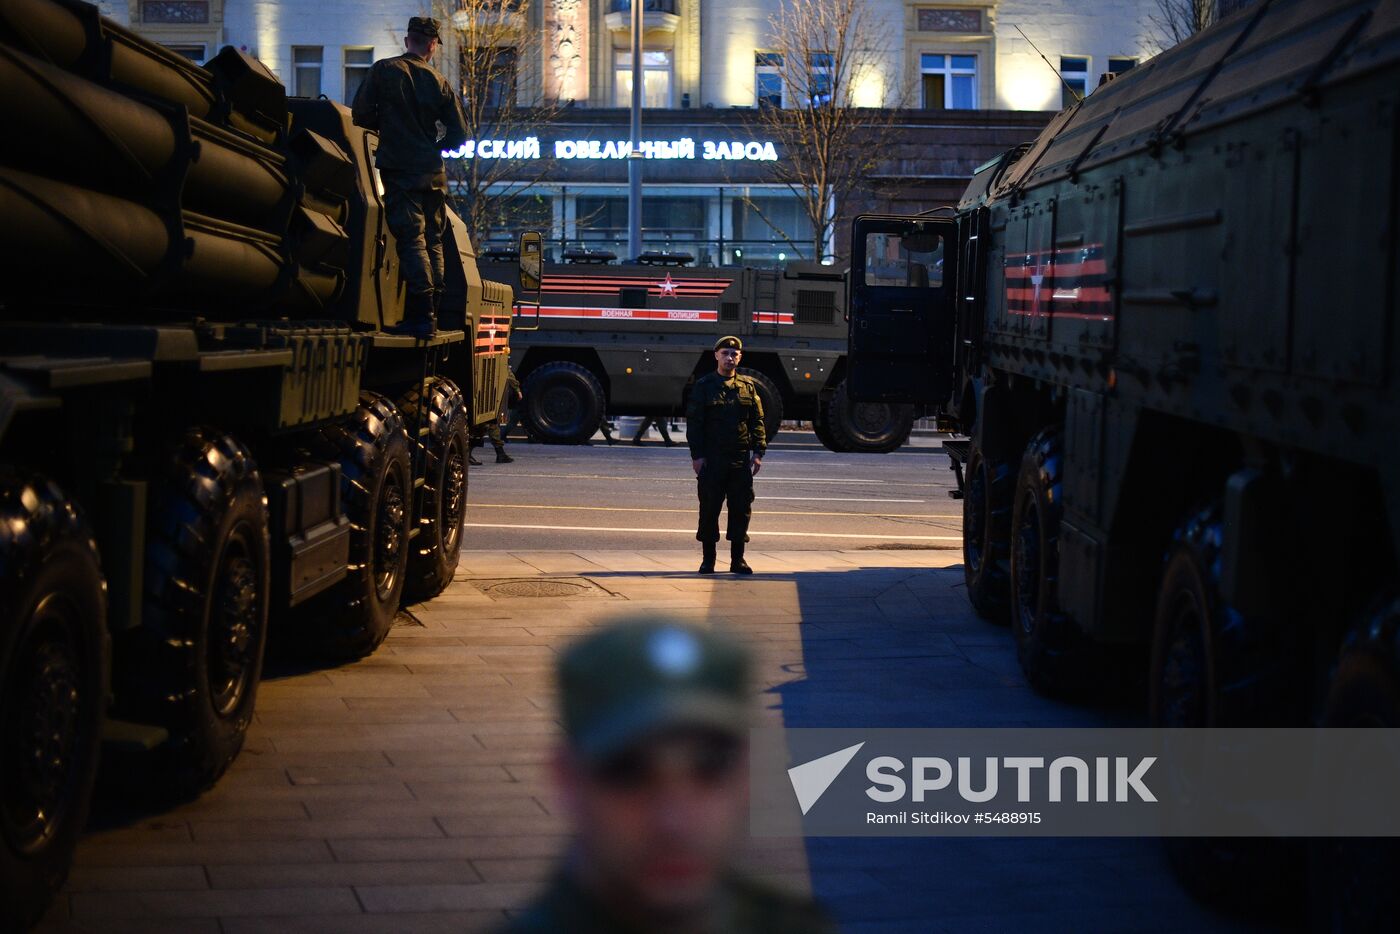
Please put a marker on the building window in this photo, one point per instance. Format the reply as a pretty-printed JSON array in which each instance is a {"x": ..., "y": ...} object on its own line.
[
  {"x": 819, "y": 82},
  {"x": 768, "y": 79},
  {"x": 1074, "y": 71},
  {"x": 357, "y": 62},
  {"x": 194, "y": 51},
  {"x": 306, "y": 70},
  {"x": 176, "y": 12},
  {"x": 656, "y": 79},
  {"x": 1116, "y": 66},
  {"x": 493, "y": 70},
  {"x": 949, "y": 82}
]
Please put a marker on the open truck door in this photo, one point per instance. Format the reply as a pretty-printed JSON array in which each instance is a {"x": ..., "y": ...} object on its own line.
[{"x": 901, "y": 291}]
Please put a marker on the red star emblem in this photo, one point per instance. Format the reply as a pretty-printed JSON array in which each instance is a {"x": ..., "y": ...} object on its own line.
[{"x": 667, "y": 286}]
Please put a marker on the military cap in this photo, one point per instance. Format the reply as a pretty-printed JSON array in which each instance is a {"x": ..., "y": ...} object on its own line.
[
  {"x": 639, "y": 678},
  {"x": 424, "y": 26},
  {"x": 729, "y": 341}
]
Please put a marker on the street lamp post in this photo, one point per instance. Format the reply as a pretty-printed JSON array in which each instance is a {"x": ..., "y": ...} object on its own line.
[{"x": 634, "y": 162}]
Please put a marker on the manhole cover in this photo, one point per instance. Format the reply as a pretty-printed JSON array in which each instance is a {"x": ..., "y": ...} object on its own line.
[{"x": 541, "y": 587}]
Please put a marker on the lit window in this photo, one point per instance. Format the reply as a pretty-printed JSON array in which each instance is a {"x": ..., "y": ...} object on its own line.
[
  {"x": 768, "y": 79},
  {"x": 306, "y": 70},
  {"x": 194, "y": 51},
  {"x": 949, "y": 82},
  {"x": 819, "y": 84},
  {"x": 357, "y": 62},
  {"x": 656, "y": 79},
  {"x": 1074, "y": 70}
]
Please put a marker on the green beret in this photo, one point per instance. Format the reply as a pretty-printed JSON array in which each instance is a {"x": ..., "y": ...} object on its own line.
[
  {"x": 424, "y": 26},
  {"x": 730, "y": 341},
  {"x": 637, "y": 679}
]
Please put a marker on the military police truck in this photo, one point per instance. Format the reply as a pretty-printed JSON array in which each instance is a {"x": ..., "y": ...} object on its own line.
[
  {"x": 630, "y": 339},
  {"x": 1168, "y": 328},
  {"x": 204, "y": 425}
]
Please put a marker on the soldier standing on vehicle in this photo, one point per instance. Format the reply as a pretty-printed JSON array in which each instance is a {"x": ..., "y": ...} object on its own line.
[
  {"x": 417, "y": 116},
  {"x": 653, "y": 771},
  {"x": 724, "y": 425}
]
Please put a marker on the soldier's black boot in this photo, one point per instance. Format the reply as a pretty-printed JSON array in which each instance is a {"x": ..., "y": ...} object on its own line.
[
  {"x": 737, "y": 564},
  {"x": 419, "y": 319},
  {"x": 707, "y": 558},
  {"x": 502, "y": 457}
]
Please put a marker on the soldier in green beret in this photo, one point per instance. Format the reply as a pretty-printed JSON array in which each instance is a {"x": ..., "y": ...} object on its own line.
[
  {"x": 417, "y": 116},
  {"x": 724, "y": 425},
  {"x": 654, "y": 773}
]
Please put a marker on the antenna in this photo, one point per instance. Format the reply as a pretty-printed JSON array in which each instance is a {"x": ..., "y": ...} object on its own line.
[{"x": 1077, "y": 95}]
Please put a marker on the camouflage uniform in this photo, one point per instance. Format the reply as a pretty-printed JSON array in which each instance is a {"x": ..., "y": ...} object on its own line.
[
  {"x": 405, "y": 99},
  {"x": 724, "y": 425},
  {"x": 742, "y": 907}
]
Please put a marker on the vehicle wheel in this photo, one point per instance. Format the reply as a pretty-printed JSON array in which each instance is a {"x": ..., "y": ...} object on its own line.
[
  {"x": 350, "y": 620},
  {"x": 823, "y": 431},
  {"x": 194, "y": 663},
  {"x": 772, "y": 401},
  {"x": 1052, "y": 651},
  {"x": 868, "y": 427},
  {"x": 987, "y": 504},
  {"x": 1352, "y": 881},
  {"x": 433, "y": 555},
  {"x": 563, "y": 403},
  {"x": 1213, "y": 667},
  {"x": 53, "y": 688}
]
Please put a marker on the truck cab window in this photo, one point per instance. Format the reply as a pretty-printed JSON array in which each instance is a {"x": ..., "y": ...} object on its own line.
[{"x": 902, "y": 262}]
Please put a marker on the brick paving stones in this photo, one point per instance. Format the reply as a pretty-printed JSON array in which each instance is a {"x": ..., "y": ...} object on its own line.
[{"x": 410, "y": 792}]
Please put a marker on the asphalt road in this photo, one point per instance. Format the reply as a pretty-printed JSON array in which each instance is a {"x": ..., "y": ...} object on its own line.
[{"x": 622, "y": 496}]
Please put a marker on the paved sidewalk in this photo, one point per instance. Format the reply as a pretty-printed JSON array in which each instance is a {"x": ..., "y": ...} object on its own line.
[{"x": 409, "y": 792}]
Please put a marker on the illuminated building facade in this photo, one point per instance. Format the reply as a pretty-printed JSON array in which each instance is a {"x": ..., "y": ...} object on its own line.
[{"x": 969, "y": 74}]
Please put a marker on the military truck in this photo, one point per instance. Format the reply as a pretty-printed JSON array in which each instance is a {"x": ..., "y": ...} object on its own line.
[
  {"x": 628, "y": 339},
  {"x": 203, "y": 423},
  {"x": 1168, "y": 330}
]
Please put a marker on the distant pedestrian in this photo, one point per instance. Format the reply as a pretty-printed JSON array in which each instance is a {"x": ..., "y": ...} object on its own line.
[
  {"x": 512, "y": 394},
  {"x": 653, "y": 771},
  {"x": 660, "y": 424},
  {"x": 607, "y": 428},
  {"x": 724, "y": 425}
]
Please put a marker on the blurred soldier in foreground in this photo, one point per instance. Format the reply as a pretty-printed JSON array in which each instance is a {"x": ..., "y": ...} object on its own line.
[
  {"x": 417, "y": 116},
  {"x": 654, "y": 773},
  {"x": 724, "y": 425}
]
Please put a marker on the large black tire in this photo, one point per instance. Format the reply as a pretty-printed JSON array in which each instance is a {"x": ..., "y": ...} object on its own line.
[
  {"x": 1211, "y": 666},
  {"x": 350, "y": 620},
  {"x": 772, "y": 401},
  {"x": 1053, "y": 652},
  {"x": 823, "y": 431},
  {"x": 53, "y": 689},
  {"x": 987, "y": 504},
  {"x": 193, "y": 664},
  {"x": 868, "y": 427},
  {"x": 564, "y": 403},
  {"x": 1352, "y": 881},
  {"x": 443, "y": 451}
]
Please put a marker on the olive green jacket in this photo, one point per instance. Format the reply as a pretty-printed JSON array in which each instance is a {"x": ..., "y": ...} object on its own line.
[
  {"x": 724, "y": 418},
  {"x": 405, "y": 100},
  {"x": 743, "y": 907}
]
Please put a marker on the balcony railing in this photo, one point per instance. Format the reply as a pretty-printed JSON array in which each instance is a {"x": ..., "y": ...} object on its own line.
[{"x": 648, "y": 6}]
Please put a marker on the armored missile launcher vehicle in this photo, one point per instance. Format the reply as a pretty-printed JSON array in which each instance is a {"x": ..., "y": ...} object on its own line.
[
  {"x": 628, "y": 339},
  {"x": 1168, "y": 328},
  {"x": 204, "y": 427}
]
